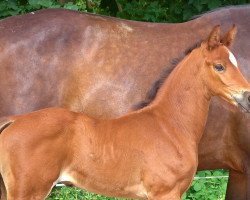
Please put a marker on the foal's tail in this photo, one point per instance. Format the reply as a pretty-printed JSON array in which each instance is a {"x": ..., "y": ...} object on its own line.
[{"x": 4, "y": 123}]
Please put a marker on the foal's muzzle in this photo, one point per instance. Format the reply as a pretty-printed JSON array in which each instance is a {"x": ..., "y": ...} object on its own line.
[{"x": 243, "y": 101}]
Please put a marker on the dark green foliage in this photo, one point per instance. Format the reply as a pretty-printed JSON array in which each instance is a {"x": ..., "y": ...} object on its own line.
[
  {"x": 15, "y": 7},
  {"x": 168, "y": 10},
  {"x": 143, "y": 10}
]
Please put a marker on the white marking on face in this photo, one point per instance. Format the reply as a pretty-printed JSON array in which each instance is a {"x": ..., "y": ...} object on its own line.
[{"x": 232, "y": 58}]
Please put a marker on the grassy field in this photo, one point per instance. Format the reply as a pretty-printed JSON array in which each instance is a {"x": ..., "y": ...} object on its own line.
[{"x": 203, "y": 188}]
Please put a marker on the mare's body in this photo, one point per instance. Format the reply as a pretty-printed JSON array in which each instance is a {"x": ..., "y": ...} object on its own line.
[{"x": 103, "y": 66}]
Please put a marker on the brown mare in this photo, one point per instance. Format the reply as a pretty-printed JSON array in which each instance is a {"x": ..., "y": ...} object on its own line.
[
  {"x": 151, "y": 153},
  {"x": 103, "y": 66}
]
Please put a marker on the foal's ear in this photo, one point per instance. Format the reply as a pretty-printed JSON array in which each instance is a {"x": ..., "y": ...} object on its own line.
[
  {"x": 228, "y": 38},
  {"x": 213, "y": 40}
]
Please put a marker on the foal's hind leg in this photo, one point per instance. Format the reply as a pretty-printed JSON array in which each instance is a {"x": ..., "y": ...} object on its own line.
[
  {"x": 3, "y": 189},
  {"x": 19, "y": 191},
  {"x": 27, "y": 187}
]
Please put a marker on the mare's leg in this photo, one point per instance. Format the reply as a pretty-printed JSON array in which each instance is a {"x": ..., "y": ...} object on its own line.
[
  {"x": 248, "y": 183},
  {"x": 237, "y": 186}
]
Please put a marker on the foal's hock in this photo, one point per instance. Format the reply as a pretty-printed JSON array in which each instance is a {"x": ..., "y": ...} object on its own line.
[{"x": 149, "y": 154}]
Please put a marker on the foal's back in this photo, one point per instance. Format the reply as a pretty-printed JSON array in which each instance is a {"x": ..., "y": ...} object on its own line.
[
  {"x": 75, "y": 148},
  {"x": 53, "y": 127},
  {"x": 44, "y": 138}
]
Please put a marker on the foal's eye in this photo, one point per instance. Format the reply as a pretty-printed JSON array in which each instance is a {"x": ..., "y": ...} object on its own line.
[{"x": 219, "y": 67}]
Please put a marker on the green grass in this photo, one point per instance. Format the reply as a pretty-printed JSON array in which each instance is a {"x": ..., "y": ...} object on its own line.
[
  {"x": 201, "y": 189},
  {"x": 67, "y": 193}
]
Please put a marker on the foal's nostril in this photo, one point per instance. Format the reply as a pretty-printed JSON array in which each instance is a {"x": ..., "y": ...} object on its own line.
[
  {"x": 244, "y": 101},
  {"x": 247, "y": 96}
]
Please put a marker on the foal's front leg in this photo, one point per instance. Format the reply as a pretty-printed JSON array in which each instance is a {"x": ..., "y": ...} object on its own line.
[
  {"x": 159, "y": 193},
  {"x": 165, "y": 198},
  {"x": 168, "y": 196}
]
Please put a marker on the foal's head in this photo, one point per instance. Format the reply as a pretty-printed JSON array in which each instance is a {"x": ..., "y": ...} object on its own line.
[{"x": 221, "y": 72}]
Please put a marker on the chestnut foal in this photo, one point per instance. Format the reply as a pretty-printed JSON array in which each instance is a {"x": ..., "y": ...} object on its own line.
[{"x": 149, "y": 154}]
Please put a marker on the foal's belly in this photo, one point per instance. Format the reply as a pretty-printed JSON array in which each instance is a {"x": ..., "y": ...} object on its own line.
[
  {"x": 105, "y": 185},
  {"x": 125, "y": 180}
]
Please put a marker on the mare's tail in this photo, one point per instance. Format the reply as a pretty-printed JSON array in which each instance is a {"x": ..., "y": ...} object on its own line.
[{"x": 4, "y": 123}]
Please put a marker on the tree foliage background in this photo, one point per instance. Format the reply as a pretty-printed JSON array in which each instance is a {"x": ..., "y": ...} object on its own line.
[{"x": 142, "y": 10}]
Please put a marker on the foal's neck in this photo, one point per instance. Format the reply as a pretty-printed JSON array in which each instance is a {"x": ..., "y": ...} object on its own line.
[{"x": 183, "y": 100}]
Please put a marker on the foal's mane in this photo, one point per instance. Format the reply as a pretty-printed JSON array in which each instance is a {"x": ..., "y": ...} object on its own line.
[{"x": 151, "y": 94}]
